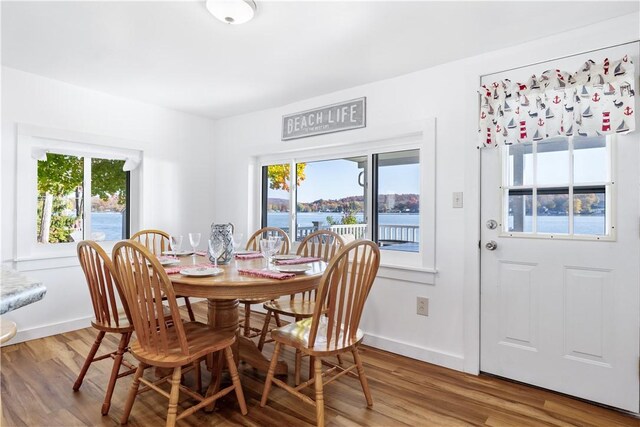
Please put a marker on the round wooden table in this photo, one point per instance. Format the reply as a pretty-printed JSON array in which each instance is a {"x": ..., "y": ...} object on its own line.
[{"x": 224, "y": 290}]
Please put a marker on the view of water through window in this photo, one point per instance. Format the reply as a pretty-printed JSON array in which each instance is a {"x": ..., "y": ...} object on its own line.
[
  {"x": 588, "y": 159},
  {"x": 331, "y": 194}
]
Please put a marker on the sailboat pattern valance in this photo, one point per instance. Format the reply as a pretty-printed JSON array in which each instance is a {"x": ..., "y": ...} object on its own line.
[{"x": 597, "y": 100}]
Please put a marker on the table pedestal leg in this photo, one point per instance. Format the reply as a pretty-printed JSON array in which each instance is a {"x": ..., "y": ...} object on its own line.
[{"x": 223, "y": 315}]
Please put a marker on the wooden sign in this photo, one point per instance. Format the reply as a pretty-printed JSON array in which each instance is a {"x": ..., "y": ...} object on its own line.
[{"x": 331, "y": 118}]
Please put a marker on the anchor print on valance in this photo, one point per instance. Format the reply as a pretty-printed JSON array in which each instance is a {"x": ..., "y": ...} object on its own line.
[{"x": 596, "y": 100}]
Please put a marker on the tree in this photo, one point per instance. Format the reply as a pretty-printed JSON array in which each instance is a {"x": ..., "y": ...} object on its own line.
[
  {"x": 279, "y": 175},
  {"x": 60, "y": 176},
  {"x": 108, "y": 179}
]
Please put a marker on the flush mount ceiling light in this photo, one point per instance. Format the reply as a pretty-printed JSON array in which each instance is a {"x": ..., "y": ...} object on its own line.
[{"x": 232, "y": 11}]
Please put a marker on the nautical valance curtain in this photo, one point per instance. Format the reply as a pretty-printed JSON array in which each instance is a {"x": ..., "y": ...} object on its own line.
[{"x": 596, "y": 100}]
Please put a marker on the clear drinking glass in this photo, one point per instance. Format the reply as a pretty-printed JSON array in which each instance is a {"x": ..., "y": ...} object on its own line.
[
  {"x": 175, "y": 241},
  {"x": 236, "y": 239},
  {"x": 194, "y": 239},
  {"x": 216, "y": 247},
  {"x": 266, "y": 248}
]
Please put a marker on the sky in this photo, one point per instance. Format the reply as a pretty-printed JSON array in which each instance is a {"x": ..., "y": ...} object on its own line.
[
  {"x": 589, "y": 166},
  {"x": 336, "y": 179}
]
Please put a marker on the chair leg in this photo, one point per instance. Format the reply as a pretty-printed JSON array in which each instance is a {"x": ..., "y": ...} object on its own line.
[
  {"x": 133, "y": 391},
  {"x": 214, "y": 385},
  {"x": 362, "y": 376},
  {"x": 278, "y": 322},
  {"x": 311, "y": 364},
  {"x": 117, "y": 361},
  {"x": 247, "y": 319},
  {"x": 270, "y": 374},
  {"x": 88, "y": 360},
  {"x": 317, "y": 364},
  {"x": 198, "y": 375},
  {"x": 297, "y": 367},
  {"x": 187, "y": 303},
  {"x": 172, "y": 413},
  {"x": 265, "y": 330},
  {"x": 235, "y": 379},
  {"x": 339, "y": 359}
]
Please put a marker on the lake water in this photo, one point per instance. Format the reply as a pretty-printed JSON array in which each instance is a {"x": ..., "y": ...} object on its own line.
[
  {"x": 305, "y": 219},
  {"x": 110, "y": 223}
]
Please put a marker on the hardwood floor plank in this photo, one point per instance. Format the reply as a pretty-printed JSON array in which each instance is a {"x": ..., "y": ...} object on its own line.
[{"x": 37, "y": 376}]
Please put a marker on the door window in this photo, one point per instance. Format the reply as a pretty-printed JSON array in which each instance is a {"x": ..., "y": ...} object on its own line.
[{"x": 559, "y": 187}]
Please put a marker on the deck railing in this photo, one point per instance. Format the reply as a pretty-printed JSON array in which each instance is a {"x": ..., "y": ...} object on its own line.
[
  {"x": 359, "y": 231},
  {"x": 391, "y": 232},
  {"x": 403, "y": 233}
]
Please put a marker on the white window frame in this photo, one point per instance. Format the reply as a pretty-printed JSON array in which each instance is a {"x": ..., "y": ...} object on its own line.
[
  {"x": 406, "y": 136},
  {"x": 610, "y": 194},
  {"x": 33, "y": 140}
]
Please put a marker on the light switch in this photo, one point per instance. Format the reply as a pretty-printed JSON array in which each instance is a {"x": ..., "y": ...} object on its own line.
[{"x": 457, "y": 199}]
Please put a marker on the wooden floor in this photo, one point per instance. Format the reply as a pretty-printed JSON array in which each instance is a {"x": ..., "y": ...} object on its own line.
[{"x": 37, "y": 377}]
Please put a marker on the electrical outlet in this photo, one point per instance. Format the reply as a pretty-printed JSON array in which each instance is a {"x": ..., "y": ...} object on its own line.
[
  {"x": 457, "y": 199},
  {"x": 422, "y": 306}
]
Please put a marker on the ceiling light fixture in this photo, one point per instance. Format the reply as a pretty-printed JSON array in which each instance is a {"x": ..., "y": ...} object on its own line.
[{"x": 232, "y": 11}]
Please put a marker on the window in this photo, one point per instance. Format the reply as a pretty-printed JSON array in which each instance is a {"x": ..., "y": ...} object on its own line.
[
  {"x": 332, "y": 194},
  {"x": 398, "y": 200},
  {"x": 72, "y": 186},
  {"x": 560, "y": 187},
  {"x": 380, "y": 186},
  {"x": 81, "y": 198}
]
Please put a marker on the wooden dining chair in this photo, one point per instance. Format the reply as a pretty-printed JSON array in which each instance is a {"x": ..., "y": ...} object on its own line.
[
  {"x": 253, "y": 244},
  {"x": 158, "y": 241},
  {"x": 323, "y": 244},
  {"x": 333, "y": 329},
  {"x": 144, "y": 283},
  {"x": 106, "y": 296}
]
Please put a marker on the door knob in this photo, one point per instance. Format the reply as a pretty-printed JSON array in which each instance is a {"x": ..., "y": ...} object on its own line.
[{"x": 491, "y": 245}]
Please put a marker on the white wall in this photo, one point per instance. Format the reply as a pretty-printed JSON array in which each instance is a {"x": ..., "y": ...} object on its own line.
[
  {"x": 179, "y": 157},
  {"x": 450, "y": 335},
  {"x": 177, "y": 184}
]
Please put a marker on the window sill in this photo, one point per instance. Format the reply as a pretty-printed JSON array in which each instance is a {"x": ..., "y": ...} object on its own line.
[
  {"x": 60, "y": 257},
  {"x": 406, "y": 273}
]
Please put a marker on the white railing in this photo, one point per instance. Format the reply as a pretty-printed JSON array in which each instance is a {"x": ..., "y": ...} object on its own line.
[
  {"x": 397, "y": 232},
  {"x": 359, "y": 231},
  {"x": 404, "y": 233}
]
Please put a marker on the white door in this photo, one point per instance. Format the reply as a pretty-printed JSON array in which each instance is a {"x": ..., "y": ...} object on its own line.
[{"x": 560, "y": 304}]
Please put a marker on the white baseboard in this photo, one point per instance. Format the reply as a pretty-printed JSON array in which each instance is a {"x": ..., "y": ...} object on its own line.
[
  {"x": 420, "y": 353},
  {"x": 50, "y": 329}
]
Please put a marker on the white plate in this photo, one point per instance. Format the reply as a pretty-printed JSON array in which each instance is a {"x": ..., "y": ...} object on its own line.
[
  {"x": 168, "y": 261},
  {"x": 200, "y": 271},
  {"x": 245, "y": 252},
  {"x": 285, "y": 256},
  {"x": 181, "y": 253},
  {"x": 296, "y": 268}
]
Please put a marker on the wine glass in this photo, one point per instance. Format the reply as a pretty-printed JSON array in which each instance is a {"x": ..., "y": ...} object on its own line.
[
  {"x": 175, "y": 242},
  {"x": 216, "y": 247},
  {"x": 277, "y": 244},
  {"x": 194, "y": 239}
]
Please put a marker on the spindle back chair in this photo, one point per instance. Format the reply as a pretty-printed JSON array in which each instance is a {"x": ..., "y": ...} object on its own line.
[
  {"x": 145, "y": 283},
  {"x": 158, "y": 241},
  {"x": 107, "y": 302},
  {"x": 334, "y": 327}
]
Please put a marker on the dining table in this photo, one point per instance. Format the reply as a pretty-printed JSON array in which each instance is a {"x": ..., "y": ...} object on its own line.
[{"x": 223, "y": 291}]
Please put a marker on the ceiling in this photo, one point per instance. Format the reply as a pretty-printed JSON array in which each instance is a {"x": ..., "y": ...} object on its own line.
[{"x": 175, "y": 54}]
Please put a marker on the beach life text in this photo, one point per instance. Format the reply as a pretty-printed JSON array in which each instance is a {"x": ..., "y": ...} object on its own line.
[{"x": 331, "y": 118}]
